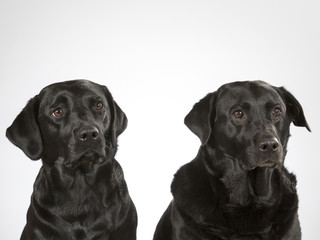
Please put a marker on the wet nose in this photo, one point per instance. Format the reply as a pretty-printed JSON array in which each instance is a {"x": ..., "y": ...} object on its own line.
[
  {"x": 88, "y": 133},
  {"x": 268, "y": 145}
]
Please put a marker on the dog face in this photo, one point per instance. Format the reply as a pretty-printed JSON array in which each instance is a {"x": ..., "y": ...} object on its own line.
[
  {"x": 75, "y": 122},
  {"x": 247, "y": 121}
]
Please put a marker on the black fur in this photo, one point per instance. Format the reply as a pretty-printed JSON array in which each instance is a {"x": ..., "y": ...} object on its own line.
[
  {"x": 80, "y": 191},
  {"x": 237, "y": 186}
]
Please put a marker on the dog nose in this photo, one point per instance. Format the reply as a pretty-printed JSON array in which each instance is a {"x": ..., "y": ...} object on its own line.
[
  {"x": 269, "y": 145},
  {"x": 88, "y": 133}
]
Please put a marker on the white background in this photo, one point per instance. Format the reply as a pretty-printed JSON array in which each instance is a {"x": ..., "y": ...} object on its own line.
[{"x": 157, "y": 58}]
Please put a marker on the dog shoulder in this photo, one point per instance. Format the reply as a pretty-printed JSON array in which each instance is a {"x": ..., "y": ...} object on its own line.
[
  {"x": 191, "y": 187},
  {"x": 119, "y": 183}
]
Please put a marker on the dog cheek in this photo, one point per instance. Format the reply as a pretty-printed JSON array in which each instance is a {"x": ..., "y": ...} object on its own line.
[
  {"x": 236, "y": 137},
  {"x": 227, "y": 143},
  {"x": 55, "y": 144},
  {"x": 283, "y": 131},
  {"x": 250, "y": 156}
]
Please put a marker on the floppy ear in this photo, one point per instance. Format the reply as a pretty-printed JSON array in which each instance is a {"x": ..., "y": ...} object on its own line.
[
  {"x": 294, "y": 109},
  {"x": 199, "y": 118},
  {"x": 24, "y": 131},
  {"x": 119, "y": 119}
]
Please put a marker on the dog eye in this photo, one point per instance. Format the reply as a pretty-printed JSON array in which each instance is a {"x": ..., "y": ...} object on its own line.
[
  {"x": 276, "y": 111},
  {"x": 238, "y": 114},
  {"x": 98, "y": 105},
  {"x": 58, "y": 112}
]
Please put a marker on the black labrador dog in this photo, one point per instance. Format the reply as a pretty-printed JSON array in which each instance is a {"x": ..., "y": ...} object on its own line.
[
  {"x": 80, "y": 191},
  {"x": 237, "y": 186}
]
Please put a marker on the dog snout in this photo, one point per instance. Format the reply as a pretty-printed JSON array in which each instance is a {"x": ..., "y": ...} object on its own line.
[
  {"x": 88, "y": 133},
  {"x": 268, "y": 145}
]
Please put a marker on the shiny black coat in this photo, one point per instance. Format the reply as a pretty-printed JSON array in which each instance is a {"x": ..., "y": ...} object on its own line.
[
  {"x": 80, "y": 191},
  {"x": 237, "y": 187}
]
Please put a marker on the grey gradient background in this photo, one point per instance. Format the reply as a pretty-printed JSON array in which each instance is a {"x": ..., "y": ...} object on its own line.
[{"x": 157, "y": 58}]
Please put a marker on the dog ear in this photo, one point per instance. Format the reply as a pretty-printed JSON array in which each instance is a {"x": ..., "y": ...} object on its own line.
[
  {"x": 200, "y": 117},
  {"x": 294, "y": 109},
  {"x": 119, "y": 119},
  {"x": 24, "y": 131}
]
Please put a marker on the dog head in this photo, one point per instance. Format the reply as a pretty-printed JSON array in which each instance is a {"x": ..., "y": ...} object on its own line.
[
  {"x": 76, "y": 121},
  {"x": 247, "y": 121}
]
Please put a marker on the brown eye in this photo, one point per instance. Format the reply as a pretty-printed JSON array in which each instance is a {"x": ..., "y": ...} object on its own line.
[
  {"x": 276, "y": 111},
  {"x": 98, "y": 105},
  {"x": 238, "y": 114},
  {"x": 58, "y": 112}
]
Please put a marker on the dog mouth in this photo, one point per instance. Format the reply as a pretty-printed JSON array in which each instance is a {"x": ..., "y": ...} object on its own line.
[
  {"x": 266, "y": 164},
  {"x": 85, "y": 161}
]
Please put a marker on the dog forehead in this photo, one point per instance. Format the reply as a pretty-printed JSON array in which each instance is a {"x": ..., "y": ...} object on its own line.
[
  {"x": 249, "y": 92},
  {"x": 77, "y": 89}
]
